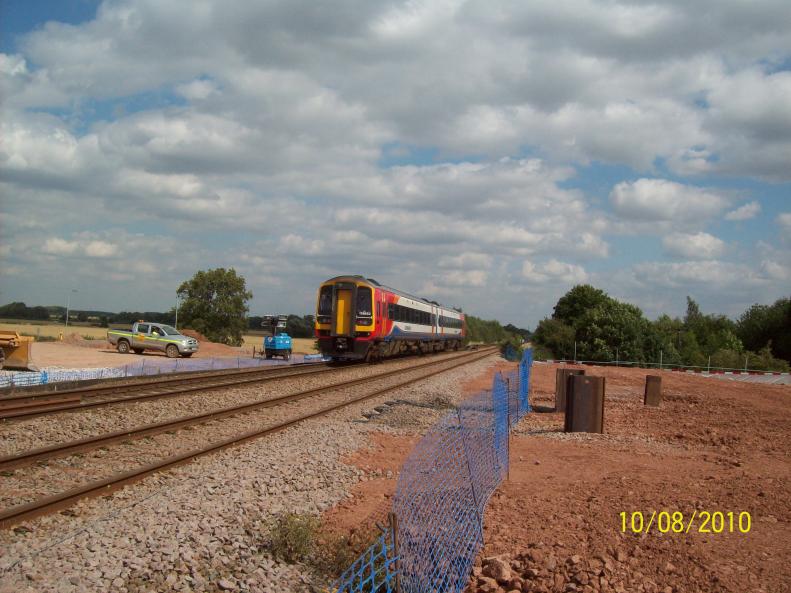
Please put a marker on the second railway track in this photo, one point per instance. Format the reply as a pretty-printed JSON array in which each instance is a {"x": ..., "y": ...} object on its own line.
[
  {"x": 58, "y": 501},
  {"x": 85, "y": 398}
]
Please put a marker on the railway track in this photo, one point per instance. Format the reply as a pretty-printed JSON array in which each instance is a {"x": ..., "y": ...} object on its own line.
[
  {"x": 83, "y": 398},
  {"x": 63, "y": 500}
]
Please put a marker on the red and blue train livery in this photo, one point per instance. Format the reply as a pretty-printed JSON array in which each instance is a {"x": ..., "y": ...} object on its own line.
[{"x": 359, "y": 319}]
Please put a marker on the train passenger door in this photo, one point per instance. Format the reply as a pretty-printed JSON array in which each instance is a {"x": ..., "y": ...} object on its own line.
[{"x": 343, "y": 311}]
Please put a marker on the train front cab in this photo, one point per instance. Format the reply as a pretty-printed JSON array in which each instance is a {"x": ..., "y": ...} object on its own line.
[{"x": 345, "y": 319}]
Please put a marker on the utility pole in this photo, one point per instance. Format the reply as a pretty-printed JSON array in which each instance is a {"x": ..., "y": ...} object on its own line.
[
  {"x": 68, "y": 303},
  {"x": 575, "y": 351}
]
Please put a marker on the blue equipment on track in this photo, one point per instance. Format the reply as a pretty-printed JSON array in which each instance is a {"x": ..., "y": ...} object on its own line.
[{"x": 279, "y": 343}]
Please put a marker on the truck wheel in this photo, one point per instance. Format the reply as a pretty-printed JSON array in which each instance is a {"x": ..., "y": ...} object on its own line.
[
  {"x": 123, "y": 347},
  {"x": 172, "y": 351},
  {"x": 287, "y": 355},
  {"x": 137, "y": 350}
]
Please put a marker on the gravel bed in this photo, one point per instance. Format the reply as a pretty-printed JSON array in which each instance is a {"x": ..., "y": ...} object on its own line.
[
  {"x": 23, "y": 435},
  {"x": 28, "y": 483},
  {"x": 204, "y": 526}
]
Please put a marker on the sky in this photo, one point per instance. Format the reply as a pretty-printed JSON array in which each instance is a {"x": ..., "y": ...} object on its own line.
[{"x": 488, "y": 155}]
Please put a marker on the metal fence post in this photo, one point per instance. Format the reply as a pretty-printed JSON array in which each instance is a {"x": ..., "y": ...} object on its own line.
[
  {"x": 508, "y": 445},
  {"x": 393, "y": 520}
]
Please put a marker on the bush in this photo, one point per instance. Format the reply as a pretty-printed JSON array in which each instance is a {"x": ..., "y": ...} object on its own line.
[
  {"x": 542, "y": 353},
  {"x": 39, "y": 337},
  {"x": 764, "y": 361},
  {"x": 727, "y": 359},
  {"x": 294, "y": 537}
]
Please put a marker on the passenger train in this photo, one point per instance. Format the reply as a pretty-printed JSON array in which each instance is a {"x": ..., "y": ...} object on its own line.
[{"x": 359, "y": 319}]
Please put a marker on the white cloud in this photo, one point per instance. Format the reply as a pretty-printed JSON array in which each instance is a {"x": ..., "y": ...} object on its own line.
[
  {"x": 100, "y": 249},
  {"x": 745, "y": 212},
  {"x": 776, "y": 270},
  {"x": 277, "y": 132},
  {"x": 697, "y": 246},
  {"x": 83, "y": 245},
  {"x": 197, "y": 90},
  {"x": 57, "y": 246},
  {"x": 784, "y": 220},
  {"x": 663, "y": 200},
  {"x": 553, "y": 271}
]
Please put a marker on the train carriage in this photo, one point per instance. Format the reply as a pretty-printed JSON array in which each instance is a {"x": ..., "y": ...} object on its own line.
[{"x": 357, "y": 318}]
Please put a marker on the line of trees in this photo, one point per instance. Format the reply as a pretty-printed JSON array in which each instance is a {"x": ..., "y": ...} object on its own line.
[
  {"x": 490, "y": 331},
  {"x": 606, "y": 329},
  {"x": 21, "y": 311}
]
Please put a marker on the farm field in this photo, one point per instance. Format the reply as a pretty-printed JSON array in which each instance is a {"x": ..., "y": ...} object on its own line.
[
  {"x": 53, "y": 330},
  {"x": 85, "y": 347}
]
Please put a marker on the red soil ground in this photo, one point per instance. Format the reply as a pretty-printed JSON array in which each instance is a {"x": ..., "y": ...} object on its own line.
[{"x": 711, "y": 446}]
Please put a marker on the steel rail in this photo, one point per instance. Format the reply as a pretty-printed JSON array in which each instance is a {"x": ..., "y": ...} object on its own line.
[
  {"x": 8, "y": 462},
  {"x": 193, "y": 385},
  {"x": 50, "y": 504},
  {"x": 116, "y": 385}
]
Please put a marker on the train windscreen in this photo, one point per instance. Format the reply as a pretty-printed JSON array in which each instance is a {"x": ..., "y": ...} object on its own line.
[
  {"x": 364, "y": 302},
  {"x": 325, "y": 301}
]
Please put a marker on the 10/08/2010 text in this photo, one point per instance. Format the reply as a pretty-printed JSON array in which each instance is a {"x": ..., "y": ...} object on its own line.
[{"x": 677, "y": 522}]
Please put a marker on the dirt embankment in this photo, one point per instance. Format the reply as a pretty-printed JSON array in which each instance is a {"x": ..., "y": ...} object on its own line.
[{"x": 556, "y": 526}]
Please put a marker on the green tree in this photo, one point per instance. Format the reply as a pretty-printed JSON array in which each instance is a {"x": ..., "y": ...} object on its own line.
[
  {"x": 761, "y": 324},
  {"x": 576, "y": 302},
  {"x": 485, "y": 330},
  {"x": 612, "y": 329},
  {"x": 215, "y": 304},
  {"x": 555, "y": 336}
]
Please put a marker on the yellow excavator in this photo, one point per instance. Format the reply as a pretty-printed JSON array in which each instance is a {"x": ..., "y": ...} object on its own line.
[{"x": 16, "y": 351}]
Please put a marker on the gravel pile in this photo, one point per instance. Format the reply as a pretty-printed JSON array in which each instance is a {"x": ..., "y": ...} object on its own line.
[
  {"x": 546, "y": 568},
  {"x": 204, "y": 526}
]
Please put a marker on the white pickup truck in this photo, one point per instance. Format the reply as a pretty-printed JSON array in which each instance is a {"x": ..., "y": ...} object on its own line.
[{"x": 153, "y": 336}]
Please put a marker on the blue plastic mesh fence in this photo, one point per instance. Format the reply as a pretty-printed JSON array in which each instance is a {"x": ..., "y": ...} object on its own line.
[
  {"x": 441, "y": 496},
  {"x": 525, "y": 367},
  {"x": 518, "y": 384},
  {"x": 374, "y": 571}
]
